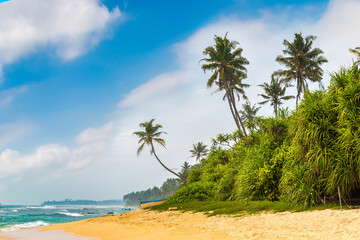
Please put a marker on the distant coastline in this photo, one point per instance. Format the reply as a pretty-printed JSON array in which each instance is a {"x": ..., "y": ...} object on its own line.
[{"x": 83, "y": 202}]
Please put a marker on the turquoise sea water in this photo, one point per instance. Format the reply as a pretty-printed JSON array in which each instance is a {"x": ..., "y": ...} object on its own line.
[{"x": 21, "y": 217}]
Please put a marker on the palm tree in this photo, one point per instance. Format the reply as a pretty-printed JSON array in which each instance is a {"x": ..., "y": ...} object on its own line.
[
  {"x": 227, "y": 65},
  {"x": 150, "y": 135},
  {"x": 199, "y": 150},
  {"x": 274, "y": 93},
  {"x": 185, "y": 170},
  {"x": 356, "y": 51},
  {"x": 302, "y": 62},
  {"x": 248, "y": 114}
]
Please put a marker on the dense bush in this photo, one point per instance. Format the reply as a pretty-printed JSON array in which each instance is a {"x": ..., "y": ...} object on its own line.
[
  {"x": 198, "y": 191},
  {"x": 302, "y": 157},
  {"x": 326, "y": 146}
]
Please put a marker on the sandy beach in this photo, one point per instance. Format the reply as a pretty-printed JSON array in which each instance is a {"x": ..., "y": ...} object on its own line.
[{"x": 151, "y": 225}]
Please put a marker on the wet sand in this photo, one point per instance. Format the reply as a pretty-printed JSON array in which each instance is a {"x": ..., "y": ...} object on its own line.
[
  {"x": 34, "y": 234},
  {"x": 151, "y": 225}
]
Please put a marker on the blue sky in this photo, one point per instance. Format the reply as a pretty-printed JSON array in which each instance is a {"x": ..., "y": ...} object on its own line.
[
  {"x": 86, "y": 85},
  {"x": 86, "y": 89}
]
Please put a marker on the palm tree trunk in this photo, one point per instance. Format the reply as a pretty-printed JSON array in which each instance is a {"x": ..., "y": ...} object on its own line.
[
  {"x": 232, "y": 109},
  {"x": 153, "y": 151},
  {"x": 275, "y": 108},
  {"x": 237, "y": 114},
  {"x": 237, "y": 117},
  {"x": 299, "y": 86}
]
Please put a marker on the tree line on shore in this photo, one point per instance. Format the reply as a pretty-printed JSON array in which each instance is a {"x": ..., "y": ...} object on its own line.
[
  {"x": 167, "y": 189},
  {"x": 308, "y": 156}
]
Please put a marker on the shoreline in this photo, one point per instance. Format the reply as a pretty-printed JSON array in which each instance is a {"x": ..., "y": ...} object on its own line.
[{"x": 151, "y": 225}]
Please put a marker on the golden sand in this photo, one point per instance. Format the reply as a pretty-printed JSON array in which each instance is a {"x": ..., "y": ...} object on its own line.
[{"x": 151, "y": 225}]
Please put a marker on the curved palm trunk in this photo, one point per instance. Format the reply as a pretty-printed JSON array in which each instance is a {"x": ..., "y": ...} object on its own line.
[
  {"x": 153, "y": 151},
  {"x": 237, "y": 114}
]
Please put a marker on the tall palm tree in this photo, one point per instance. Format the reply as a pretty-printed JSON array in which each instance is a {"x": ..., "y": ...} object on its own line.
[
  {"x": 274, "y": 93},
  {"x": 199, "y": 150},
  {"x": 356, "y": 51},
  {"x": 302, "y": 63},
  {"x": 148, "y": 136},
  {"x": 248, "y": 114},
  {"x": 227, "y": 65}
]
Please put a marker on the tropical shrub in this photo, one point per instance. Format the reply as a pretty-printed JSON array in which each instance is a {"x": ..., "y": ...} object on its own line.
[
  {"x": 198, "y": 191},
  {"x": 326, "y": 153}
]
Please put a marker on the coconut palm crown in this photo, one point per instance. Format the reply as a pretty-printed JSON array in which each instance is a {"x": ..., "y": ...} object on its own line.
[
  {"x": 302, "y": 62},
  {"x": 248, "y": 114},
  {"x": 356, "y": 51},
  {"x": 199, "y": 150},
  {"x": 274, "y": 93},
  {"x": 227, "y": 65},
  {"x": 150, "y": 134}
]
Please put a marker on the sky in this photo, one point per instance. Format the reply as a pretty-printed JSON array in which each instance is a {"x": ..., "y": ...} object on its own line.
[{"x": 78, "y": 76}]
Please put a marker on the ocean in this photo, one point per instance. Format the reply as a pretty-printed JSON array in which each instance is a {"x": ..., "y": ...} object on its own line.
[{"x": 22, "y": 217}]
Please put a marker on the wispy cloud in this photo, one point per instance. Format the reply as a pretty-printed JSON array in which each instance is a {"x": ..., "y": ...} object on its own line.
[
  {"x": 7, "y": 96},
  {"x": 13, "y": 131},
  {"x": 91, "y": 135}
]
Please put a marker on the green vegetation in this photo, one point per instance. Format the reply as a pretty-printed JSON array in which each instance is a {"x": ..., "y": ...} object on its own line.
[
  {"x": 274, "y": 93},
  {"x": 199, "y": 150},
  {"x": 305, "y": 157},
  {"x": 238, "y": 208},
  {"x": 356, "y": 51},
  {"x": 302, "y": 63},
  {"x": 168, "y": 188},
  {"x": 198, "y": 191},
  {"x": 248, "y": 115},
  {"x": 297, "y": 160},
  {"x": 150, "y": 135},
  {"x": 227, "y": 65}
]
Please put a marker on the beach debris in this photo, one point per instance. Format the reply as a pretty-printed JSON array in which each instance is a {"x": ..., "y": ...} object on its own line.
[{"x": 172, "y": 208}]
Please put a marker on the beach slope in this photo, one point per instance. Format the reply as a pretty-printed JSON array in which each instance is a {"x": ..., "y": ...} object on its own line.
[{"x": 151, "y": 225}]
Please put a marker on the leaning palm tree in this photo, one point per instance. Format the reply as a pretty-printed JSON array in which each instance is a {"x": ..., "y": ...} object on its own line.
[
  {"x": 199, "y": 150},
  {"x": 148, "y": 136},
  {"x": 302, "y": 63},
  {"x": 248, "y": 114},
  {"x": 227, "y": 65},
  {"x": 356, "y": 51},
  {"x": 274, "y": 93}
]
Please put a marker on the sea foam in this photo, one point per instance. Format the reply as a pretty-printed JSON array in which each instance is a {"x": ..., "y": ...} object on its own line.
[
  {"x": 44, "y": 207},
  {"x": 25, "y": 225},
  {"x": 71, "y": 214}
]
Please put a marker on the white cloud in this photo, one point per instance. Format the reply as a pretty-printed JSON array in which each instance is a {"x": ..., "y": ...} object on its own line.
[
  {"x": 13, "y": 163},
  {"x": 95, "y": 134},
  {"x": 70, "y": 26},
  {"x": 188, "y": 111},
  {"x": 155, "y": 88}
]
